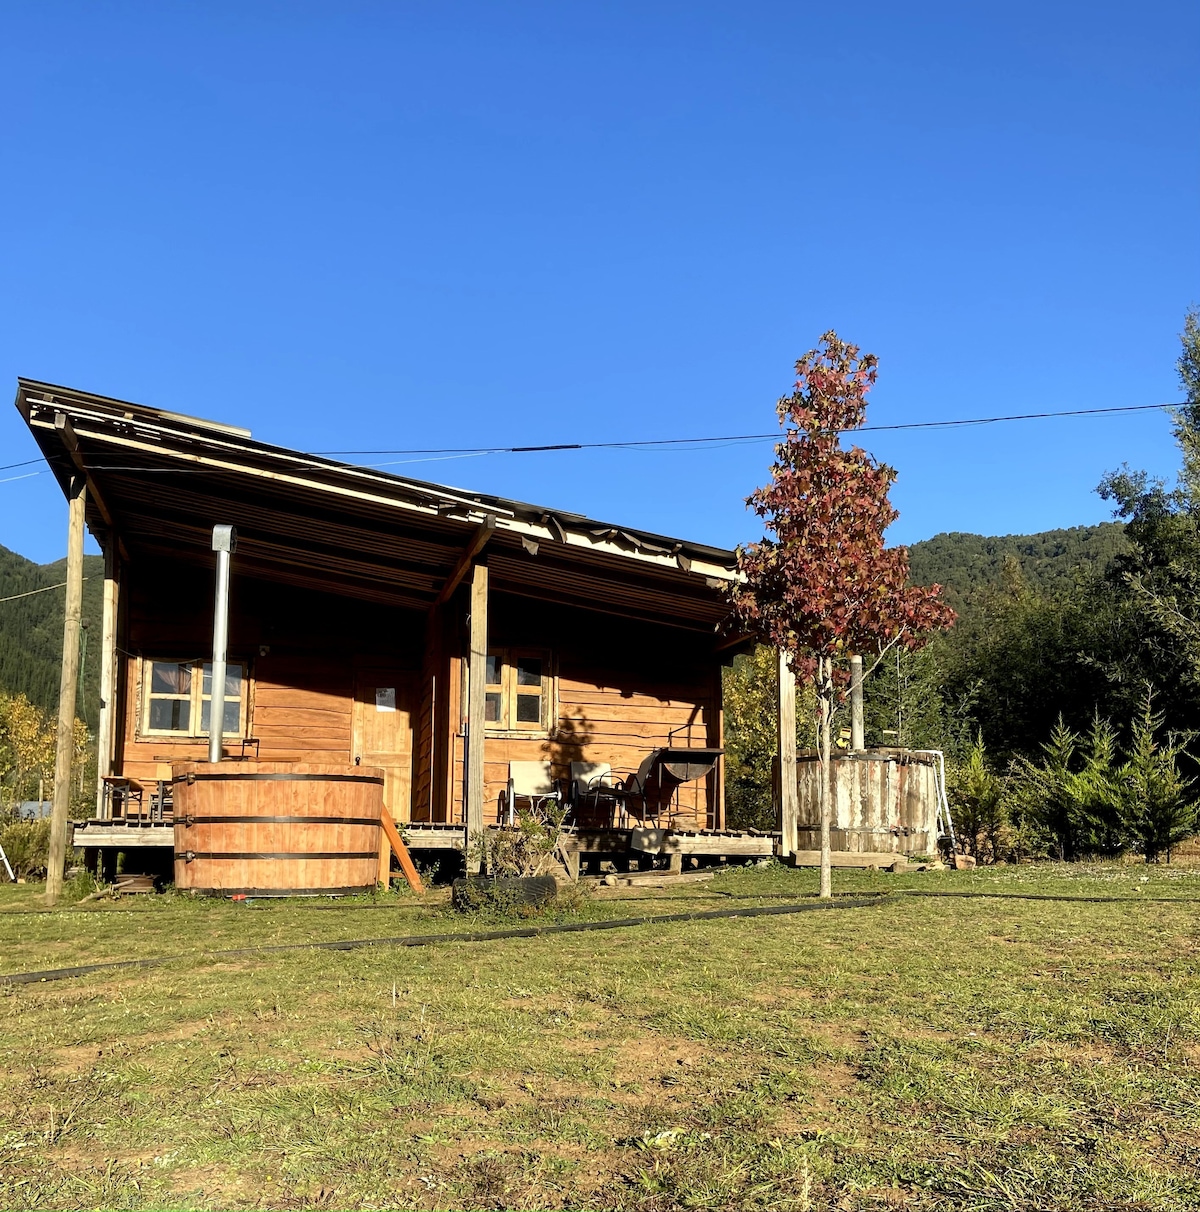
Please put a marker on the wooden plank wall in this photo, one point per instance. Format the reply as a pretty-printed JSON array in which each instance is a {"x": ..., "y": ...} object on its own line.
[
  {"x": 623, "y": 688},
  {"x": 425, "y": 726},
  {"x": 303, "y": 708},
  {"x": 301, "y": 687}
]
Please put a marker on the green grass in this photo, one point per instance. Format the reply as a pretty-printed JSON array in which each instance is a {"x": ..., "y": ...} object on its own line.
[{"x": 922, "y": 1052}]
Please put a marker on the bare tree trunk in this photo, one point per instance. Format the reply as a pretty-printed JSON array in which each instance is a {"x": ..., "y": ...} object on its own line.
[
  {"x": 789, "y": 814},
  {"x": 825, "y": 699}
]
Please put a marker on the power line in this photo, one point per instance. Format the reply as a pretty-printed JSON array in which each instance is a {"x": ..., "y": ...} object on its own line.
[
  {"x": 749, "y": 437},
  {"x": 447, "y": 453},
  {"x": 30, "y": 592}
]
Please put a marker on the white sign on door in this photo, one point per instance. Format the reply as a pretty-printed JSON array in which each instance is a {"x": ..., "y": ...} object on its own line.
[{"x": 385, "y": 698}]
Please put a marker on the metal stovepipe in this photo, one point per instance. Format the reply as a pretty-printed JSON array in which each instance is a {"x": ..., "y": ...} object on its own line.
[{"x": 224, "y": 540}]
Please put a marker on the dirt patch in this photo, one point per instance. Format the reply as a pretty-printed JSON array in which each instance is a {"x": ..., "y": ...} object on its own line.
[
  {"x": 218, "y": 1186},
  {"x": 831, "y": 1084},
  {"x": 779, "y": 995},
  {"x": 652, "y": 1054}
]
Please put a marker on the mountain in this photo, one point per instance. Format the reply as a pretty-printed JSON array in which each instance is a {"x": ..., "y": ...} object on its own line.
[
  {"x": 31, "y": 630},
  {"x": 966, "y": 564}
]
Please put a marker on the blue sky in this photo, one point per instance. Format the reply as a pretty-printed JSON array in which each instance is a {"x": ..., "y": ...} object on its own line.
[{"x": 407, "y": 225}]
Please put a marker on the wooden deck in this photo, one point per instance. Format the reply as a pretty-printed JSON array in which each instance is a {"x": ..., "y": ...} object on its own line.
[
  {"x": 420, "y": 835},
  {"x": 593, "y": 843},
  {"x": 123, "y": 835}
]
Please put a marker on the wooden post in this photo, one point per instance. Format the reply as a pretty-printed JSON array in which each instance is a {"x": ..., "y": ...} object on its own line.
[
  {"x": 106, "y": 727},
  {"x": 477, "y": 693},
  {"x": 857, "y": 734},
  {"x": 789, "y": 807},
  {"x": 68, "y": 689}
]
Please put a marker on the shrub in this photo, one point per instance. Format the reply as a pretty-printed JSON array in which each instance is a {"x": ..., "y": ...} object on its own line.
[
  {"x": 529, "y": 847},
  {"x": 978, "y": 805},
  {"x": 1157, "y": 810},
  {"x": 27, "y": 844}
]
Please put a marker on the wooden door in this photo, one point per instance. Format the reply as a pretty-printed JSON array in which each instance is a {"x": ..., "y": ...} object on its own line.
[{"x": 384, "y": 708}]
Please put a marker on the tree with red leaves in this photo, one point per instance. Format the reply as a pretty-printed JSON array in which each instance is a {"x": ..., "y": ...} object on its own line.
[{"x": 822, "y": 585}]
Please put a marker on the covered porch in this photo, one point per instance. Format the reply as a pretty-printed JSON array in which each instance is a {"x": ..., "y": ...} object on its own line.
[{"x": 441, "y": 636}]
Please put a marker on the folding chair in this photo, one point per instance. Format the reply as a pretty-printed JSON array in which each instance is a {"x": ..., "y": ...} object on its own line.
[{"x": 532, "y": 782}]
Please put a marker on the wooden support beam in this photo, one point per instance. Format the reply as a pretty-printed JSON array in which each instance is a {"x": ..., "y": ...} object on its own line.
[
  {"x": 109, "y": 681},
  {"x": 789, "y": 799},
  {"x": 716, "y": 739},
  {"x": 857, "y": 732},
  {"x": 66, "y": 435},
  {"x": 67, "y": 691},
  {"x": 400, "y": 850},
  {"x": 462, "y": 566},
  {"x": 477, "y": 694},
  {"x": 734, "y": 641}
]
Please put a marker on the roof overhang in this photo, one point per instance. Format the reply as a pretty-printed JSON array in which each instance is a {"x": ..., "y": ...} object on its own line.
[{"x": 159, "y": 481}]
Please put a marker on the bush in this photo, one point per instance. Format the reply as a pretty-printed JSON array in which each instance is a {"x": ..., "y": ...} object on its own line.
[
  {"x": 27, "y": 844},
  {"x": 1158, "y": 811},
  {"x": 529, "y": 847},
  {"x": 1086, "y": 802},
  {"x": 976, "y": 794}
]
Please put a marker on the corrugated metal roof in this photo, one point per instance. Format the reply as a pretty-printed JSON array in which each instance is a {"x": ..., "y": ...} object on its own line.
[{"x": 162, "y": 480}]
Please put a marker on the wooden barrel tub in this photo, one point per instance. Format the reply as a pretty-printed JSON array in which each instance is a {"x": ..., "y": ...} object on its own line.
[{"x": 276, "y": 828}]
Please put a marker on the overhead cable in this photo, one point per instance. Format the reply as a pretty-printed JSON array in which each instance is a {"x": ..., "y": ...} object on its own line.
[
  {"x": 747, "y": 437},
  {"x": 446, "y": 453},
  {"x": 30, "y": 592}
]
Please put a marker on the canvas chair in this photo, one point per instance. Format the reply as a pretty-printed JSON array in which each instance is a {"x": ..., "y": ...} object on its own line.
[{"x": 532, "y": 782}]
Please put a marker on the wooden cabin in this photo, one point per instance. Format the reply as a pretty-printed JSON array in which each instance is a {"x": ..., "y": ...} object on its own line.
[{"x": 379, "y": 620}]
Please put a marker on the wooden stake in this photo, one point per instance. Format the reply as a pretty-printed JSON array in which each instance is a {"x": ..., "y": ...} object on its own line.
[
  {"x": 789, "y": 806},
  {"x": 68, "y": 689},
  {"x": 400, "y": 850},
  {"x": 477, "y": 695}
]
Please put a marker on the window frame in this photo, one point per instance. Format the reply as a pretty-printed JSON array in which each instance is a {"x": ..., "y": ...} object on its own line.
[
  {"x": 509, "y": 690},
  {"x": 196, "y": 698}
]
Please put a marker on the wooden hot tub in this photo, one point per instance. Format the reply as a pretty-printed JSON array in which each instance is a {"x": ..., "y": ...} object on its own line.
[{"x": 276, "y": 828}]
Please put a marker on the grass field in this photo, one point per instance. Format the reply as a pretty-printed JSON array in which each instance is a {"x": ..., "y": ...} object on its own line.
[{"x": 918, "y": 1052}]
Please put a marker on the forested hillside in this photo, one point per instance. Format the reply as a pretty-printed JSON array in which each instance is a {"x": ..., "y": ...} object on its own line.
[
  {"x": 967, "y": 565},
  {"x": 31, "y": 631},
  {"x": 1050, "y": 562}
]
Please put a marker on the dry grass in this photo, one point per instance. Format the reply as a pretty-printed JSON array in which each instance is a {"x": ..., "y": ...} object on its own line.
[{"x": 924, "y": 1052}]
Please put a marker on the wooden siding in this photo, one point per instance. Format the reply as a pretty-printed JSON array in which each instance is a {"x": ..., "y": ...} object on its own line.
[
  {"x": 652, "y": 683},
  {"x": 300, "y": 650},
  {"x": 620, "y": 688}
]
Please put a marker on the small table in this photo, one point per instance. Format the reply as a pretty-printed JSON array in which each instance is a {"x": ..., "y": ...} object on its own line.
[{"x": 122, "y": 794}]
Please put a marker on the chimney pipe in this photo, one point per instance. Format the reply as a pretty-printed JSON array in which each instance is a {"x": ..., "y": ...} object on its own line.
[{"x": 224, "y": 540}]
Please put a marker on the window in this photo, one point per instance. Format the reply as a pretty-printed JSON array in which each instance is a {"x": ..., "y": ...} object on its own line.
[
  {"x": 178, "y": 698},
  {"x": 518, "y": 690}
]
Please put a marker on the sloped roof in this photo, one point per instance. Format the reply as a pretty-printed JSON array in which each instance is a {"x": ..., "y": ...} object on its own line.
[{"x": 158, "y": 482}]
